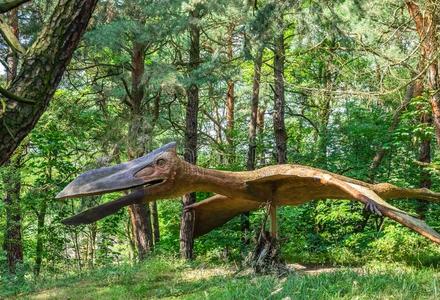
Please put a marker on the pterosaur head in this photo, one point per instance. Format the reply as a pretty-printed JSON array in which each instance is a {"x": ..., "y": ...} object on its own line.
[{"x": 153, "y": 172}]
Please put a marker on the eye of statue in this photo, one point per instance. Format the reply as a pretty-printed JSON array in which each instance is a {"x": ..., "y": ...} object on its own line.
[{"x": 161, "y": 162}]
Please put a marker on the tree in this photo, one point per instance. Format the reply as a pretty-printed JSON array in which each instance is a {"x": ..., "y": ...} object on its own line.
[
  {"x": 190, "y": 154},
  {"x": 41, "y": 70},
  {"x": 137, "y": 146},
  {"x": 427, "y": 23},
  {"x": 13, "y": 243},
  {"x": 279, "y": 125},
  {"x": 230, "y": 100}
]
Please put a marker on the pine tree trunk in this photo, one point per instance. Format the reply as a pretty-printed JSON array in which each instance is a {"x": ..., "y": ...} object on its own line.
[
  {"x": 155, "y": 219},
  {"x": 252, "y": 150},
  {"x": 141, "y": 226},
  {"x": 13, "y": 244},
  {"x": 230, "y": 103},
  {"x": 380, "y": 154},
  {"x": 41, "y": 71},
  {"x": 325, "y": 110},
  {"x": 251, "y": 155},
  {"x": 140, "y": 214},
  {"x": 427, "y": 23},
  {"x": 279, "y": 103},
  {"x": 190, "y": 154}
]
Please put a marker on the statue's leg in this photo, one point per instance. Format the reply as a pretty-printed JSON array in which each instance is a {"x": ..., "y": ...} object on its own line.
[
  {"x": 273, "y": 221},
  {"x": 371, "y": 207}
]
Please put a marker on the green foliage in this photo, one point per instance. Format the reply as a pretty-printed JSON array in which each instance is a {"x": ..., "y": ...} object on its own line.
[{"x": 165, "y": 277}]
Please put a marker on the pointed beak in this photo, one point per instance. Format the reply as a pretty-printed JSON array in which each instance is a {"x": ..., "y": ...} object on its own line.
[{"x": 111, "y": 179}]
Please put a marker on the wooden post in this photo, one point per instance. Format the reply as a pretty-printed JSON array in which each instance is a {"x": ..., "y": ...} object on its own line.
[{"x": 273, "y": 221}]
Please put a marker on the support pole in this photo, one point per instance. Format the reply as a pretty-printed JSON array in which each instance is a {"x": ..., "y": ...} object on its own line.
[{"x": 273, "y": 221}]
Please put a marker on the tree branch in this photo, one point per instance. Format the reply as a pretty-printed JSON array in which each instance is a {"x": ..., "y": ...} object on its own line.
[
  {"x": 10, "y": 38},
  {"x": 14, "y": 97},
  {"x": 6, "y": 6}
]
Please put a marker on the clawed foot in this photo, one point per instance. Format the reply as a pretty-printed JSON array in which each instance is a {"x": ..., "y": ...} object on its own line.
[{"x": 372, "y": 208}]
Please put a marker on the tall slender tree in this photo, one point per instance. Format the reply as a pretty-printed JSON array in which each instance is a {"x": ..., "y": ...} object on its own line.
[
  {"x": 279, "y": 97},
  {"x": 190, "y": 154},
  {"x": 252, "y": 138},
  {"x": 230, "y": 100},
  {"x": 13, "y": 243},
  {"x": 140, "y": 214}
]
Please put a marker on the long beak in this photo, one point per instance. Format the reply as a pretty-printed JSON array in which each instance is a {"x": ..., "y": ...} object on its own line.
[
  {"x": 111, "y": 179},
  {"x": 101, "y": 211}
]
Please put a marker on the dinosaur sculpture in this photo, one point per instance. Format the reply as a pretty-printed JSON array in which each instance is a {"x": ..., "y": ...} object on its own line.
[{"x": 162, "y": 174}]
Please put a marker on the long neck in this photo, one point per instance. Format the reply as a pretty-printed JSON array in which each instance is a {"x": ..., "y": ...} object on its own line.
[{"x": 220, "y": 182}]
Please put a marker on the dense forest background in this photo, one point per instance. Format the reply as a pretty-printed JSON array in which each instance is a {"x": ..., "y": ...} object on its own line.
[{"x": 347, "y": 86}]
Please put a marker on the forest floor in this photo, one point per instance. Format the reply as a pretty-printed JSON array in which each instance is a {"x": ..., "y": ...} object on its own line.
[{"x": 173, "y": 279}]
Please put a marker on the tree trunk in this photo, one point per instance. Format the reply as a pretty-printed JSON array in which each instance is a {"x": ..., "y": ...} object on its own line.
[
  {"x": 325, "y": 109},
  {"x": 12, "y": 59},
  {"x": 40, "y": 236},
  {"x": 279, "y": 103},
  {"x": 41, "y": 71},
  {"x": 251, "y": 157},
  {"x": 155, "y": 219},
  {"x": 424, "y": 154},
  {"x": 13, "y": 244},
  {"x": 411, "y": 92},
  {"x": 141, "y": 226},
  {"x": 190, "y": 154},
  {"x": 140, "y": 214},
  {"x": 252, "y": 151},
  {"x": 425, "y": 177},
  {"x": 427, "y": 23},
  {"x": 230, "y": 103}
]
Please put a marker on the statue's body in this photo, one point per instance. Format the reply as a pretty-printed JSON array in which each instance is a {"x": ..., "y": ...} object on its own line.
[{"x": 162, "y": 174}]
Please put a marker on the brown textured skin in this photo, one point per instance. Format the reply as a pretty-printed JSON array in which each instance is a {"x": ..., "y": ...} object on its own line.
[{"x": 237, "y": 192}]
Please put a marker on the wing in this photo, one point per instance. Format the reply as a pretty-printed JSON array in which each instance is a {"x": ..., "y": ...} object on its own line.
[
  {"x": 101, "y": 211},
  {"x": 351, "y": 190},
  {"x": 398, "y": 215},
  {"x": 217, "y": 210}
]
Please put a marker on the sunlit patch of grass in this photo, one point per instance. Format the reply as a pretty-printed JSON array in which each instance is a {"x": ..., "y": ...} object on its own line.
[{"x": 171, "y": 278}]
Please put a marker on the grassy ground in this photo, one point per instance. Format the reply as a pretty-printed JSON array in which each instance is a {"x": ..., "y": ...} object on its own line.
[{"x": 173, "y": 279}]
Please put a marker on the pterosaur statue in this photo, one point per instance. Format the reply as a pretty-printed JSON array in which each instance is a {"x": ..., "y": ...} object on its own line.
[{"x": 162, "y": 174}]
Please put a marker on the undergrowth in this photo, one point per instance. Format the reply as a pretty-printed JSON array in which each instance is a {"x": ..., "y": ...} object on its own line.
[{"x": 167, "y": 277}]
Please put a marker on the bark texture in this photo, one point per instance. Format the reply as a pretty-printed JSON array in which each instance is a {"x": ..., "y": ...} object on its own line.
[
  {"x": 138, "y": 139},
  {"x": 155, "y": 221},
  {"x": 279, "y": 103},
  {"x": 13, "y": 243},
  {"x": 230, "y": 102},
  {"x": 41, "y": 71},
  {"x": 190, "y": 154},
  {"x": 427, "y": 22},
  {"x": 252, "y": 150}
]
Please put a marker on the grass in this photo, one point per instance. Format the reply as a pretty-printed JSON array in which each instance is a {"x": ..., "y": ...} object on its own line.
[{"x": 165, "y": 278}]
